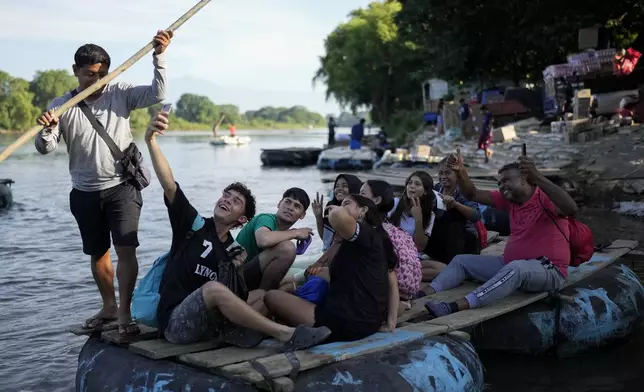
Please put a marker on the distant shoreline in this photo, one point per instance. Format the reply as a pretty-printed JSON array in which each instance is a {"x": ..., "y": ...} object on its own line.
[{"x": 285, "y": 127}]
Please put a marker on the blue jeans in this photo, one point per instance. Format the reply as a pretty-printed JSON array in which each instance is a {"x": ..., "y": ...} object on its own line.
[{"x": 501, "y": 280}]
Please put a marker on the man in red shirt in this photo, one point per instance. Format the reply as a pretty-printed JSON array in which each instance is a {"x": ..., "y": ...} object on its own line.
[{"x": 536, "y": 256}]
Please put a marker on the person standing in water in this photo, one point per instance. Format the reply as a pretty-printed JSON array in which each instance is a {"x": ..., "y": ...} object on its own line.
[
  {"x": 103, "y": 200},
  {"x": 332, "y": 125}
]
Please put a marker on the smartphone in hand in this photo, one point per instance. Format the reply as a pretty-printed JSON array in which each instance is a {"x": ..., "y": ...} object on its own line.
[{"x": 167, "y": 108}]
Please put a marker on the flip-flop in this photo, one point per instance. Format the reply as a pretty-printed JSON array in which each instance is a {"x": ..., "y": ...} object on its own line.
[
  {"x": 97, "y": 323},
  {"x": 305, "y": 337},
  {"x": 302, "y": 245},
  {"x": 242, "y": 337},
  {"x": 129, "y": 329}
]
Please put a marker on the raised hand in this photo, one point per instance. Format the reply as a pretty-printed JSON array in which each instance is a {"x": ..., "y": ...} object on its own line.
[
  {"x": 416, "y": 209},
  {"x": 317, "y": 205},
  {"x": 157, "y": 126},
  {"x": 162, "y": 40},
  {"x": 455, "y": 161},
  {"x": 528, "y": 169}
]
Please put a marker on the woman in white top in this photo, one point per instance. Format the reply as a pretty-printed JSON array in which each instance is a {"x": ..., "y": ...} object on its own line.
[{"x": 414, "y": 213}]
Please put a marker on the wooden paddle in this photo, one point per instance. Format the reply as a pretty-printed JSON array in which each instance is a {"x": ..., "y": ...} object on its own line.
[
  {"x": 216, "y": 128},
  {"x": 100, "y": 83}
]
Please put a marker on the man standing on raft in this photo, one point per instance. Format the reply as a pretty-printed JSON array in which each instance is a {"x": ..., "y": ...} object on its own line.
[{"x": 102, "y": 199}]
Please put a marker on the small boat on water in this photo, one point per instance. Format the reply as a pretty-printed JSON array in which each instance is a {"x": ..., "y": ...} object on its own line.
[
  {"x": 230, "y": 140},
  {"x": 6, "y": 196},
  {"x": 290, "y": 157},
  {"x": 344, "y": 158}
]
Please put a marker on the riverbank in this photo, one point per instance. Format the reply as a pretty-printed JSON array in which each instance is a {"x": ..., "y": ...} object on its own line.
[{"x": 607, "y": 169}]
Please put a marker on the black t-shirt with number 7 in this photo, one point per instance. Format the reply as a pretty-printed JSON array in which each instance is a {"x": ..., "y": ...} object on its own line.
[{"x": 192, "y": 263}]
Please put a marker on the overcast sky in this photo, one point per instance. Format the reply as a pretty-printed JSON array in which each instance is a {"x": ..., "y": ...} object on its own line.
[{"x": 238, "y": 46}]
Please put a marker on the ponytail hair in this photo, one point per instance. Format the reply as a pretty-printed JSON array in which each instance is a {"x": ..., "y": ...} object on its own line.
[{"x": 374, "y": 218}]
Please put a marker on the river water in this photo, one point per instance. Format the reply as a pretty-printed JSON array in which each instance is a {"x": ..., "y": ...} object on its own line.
[{"x": 46, "y": 284}]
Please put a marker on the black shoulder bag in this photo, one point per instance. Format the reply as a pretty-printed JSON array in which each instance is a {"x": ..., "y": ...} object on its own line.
[{"x": 131, "y": 158}]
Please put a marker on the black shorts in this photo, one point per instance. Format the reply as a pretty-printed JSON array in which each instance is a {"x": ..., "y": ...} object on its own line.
[
  {"x": 115, "y": 210},
  {"x": 253, "y": 273},
  {"x": 339, "y": 330}
]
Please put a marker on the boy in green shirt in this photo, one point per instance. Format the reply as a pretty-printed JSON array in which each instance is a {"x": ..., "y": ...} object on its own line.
[{"x": 267, "y": 239}]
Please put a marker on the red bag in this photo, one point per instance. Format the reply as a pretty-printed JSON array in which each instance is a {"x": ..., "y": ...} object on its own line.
[
  {"x": 481, "y": 230},
  {"x": 582, "y": 245}
]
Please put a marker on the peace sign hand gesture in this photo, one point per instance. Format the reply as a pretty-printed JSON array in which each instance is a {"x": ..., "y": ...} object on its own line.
[
  {"x": 317, "y": 205},
  {"x": 416, "y": 209}
]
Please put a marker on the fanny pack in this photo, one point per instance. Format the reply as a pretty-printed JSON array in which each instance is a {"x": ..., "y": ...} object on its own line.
[{"x": 131, "y": 158}]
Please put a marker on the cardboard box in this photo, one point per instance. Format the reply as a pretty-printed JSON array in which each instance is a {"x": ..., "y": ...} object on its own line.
[{"x": 500, "y": 135}]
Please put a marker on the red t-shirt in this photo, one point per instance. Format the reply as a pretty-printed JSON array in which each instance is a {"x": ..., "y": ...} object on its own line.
[{"x": 532, "y": 232}]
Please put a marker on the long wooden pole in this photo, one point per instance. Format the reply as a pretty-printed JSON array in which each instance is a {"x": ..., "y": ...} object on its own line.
[{"x": 100, "y": 83}]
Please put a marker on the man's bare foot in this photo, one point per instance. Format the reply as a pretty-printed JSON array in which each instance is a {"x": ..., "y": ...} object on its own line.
[{"x": 104, "y": 316}]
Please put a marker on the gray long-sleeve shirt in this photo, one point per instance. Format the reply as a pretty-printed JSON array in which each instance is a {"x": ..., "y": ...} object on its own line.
[{"x": 91, "y": 163}]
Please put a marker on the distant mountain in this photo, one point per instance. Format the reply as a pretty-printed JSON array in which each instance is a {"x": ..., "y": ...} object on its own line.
[{"x": 249, "y": 99}]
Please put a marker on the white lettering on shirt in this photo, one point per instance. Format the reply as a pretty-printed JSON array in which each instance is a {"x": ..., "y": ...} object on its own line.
[
  {"x": 206, "y": 272},
  {"x": 208, "y": 246}
]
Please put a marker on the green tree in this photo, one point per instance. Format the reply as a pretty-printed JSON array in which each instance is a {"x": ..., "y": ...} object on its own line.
[
  {"x": 462, "y": 43},
  {"x": 16, "y": 109},
  {"x": 197, "y": 108},
  {"x": 48, "y": 85},
  {"x": 367, "y": 63},
  {"x": 139, "y": 119},
  {"x": 232, "y": 114}
]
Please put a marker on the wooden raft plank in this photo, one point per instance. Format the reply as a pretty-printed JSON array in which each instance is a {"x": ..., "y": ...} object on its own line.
[
  {"x": 518, "y": 300},
  {"x": 278, "y": 365},
  {"x": 214, "y": 359},
  {"x": 418, "y": 305},
  {"x": 161, "y": 348},
  {"x": 147, "y": 333}
]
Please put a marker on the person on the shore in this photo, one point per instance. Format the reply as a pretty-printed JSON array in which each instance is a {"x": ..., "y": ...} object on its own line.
[
  {"x": 232, "y": 130},
  {"x": 454, "y": 232},
  {"x": 345, "y": 184},
  {"x": 415, "y": 213},
  {"x": 485, "y": 136},
  {"x": 267, "y": 239},
  {"x": 404, "y": 281},
  {"x": 193, "y": 304},
  {"x": 537, "y": 255},
  {"x": 357, "y": 301},
  {"x": 465, "y": 114},
  {"x": 331, "y": 139},
  {"x": 357, "y": 133},
  {"x": 103, "y": 200}
]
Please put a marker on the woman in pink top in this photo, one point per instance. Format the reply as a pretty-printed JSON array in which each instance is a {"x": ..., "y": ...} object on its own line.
[{"x": 537, "y": 255}]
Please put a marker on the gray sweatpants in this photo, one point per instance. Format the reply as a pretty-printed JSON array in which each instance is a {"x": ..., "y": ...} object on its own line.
[{"x": 500, "y": 279}]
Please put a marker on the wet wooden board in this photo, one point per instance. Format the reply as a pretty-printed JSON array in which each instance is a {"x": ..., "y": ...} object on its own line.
[
  {"x": 214, "y": 359},
  {"x": 161, "y": 348},
  {"x": 80, "y": 331},
  {"x": 599, "y": 261},
  {"x": 147, "y": 333},
  {"x": 278, "y": 365},
  {"x": 418, "y": 305}
]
